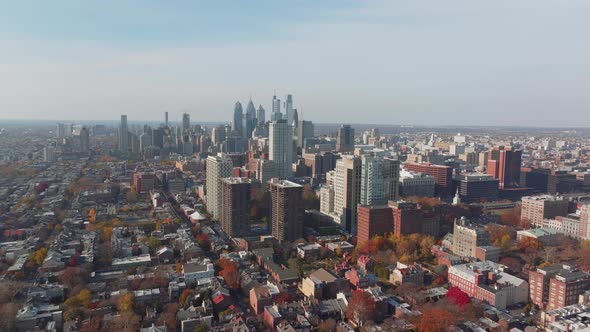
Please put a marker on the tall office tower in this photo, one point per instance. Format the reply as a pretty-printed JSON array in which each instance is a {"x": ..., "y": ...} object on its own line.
[
  {"x": 347, "y": 191},
  {"x": 60, "y": 131},
  {"x": 250, "y": 120},
  {"x": 289, "y": 109},
  {"x": 276, "y": 109},
  {"x": 261, "y": 115},
  {"x": 123, "y": 135},
  {"x": 345, "y": 139},
  {"x": 49, "y": 154},
  {"x": 133, "y": 142},
  {"x": 504, "y": 165},
  {"x": 145, "y": 140},
  {"x": 218, "y": 134},
  {"x": 235, "y": 196},
  {"x": 391, "y": 168},
  {"x": 186, "y": 123},
  {"x": 236, "y": 125},
  {"x": 266, "y": 170},
  {"x": 166, "y": 118},
  {"x": 158, "y": 137},
  {"x": 295, "y": 122},
  {"x": 218, "y": 167},
  {"x": 286, "y": 210},
  {"x": 84, "y": 140},
  {"x": 304, "y": 131},
  {"x": 372, "y": 192},
  {"x": 281, "y": 147}
]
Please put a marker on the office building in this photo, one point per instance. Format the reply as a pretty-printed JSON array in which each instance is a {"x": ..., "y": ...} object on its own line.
[
  {"x": 391, "y": 175},
  {"x": 374, "y": 220},
  {"x": 281, "y": 147},
  {"x": 218, "y": 167},
  {"x": 235, "y": 198},
  {"x": 443, "y": 176},
  {"x": 261, "y": 115},
  {"x": 320, "y": 164},
  {"x": 49, "y": 154},
  {"x": 123, "y": 135},
  {"x": 415, "y": 184},
  {"x": 535, "y": 209},
  {"x": 476, "y": 187},
  {"x": 289, "y": 109},
  {"x": 249, "y": 120},
  {"x": 276, "y": 109},
  {"x": 186, "y": 123},
  {"x": 345, "y": 139},
  {"x": 265, "y": 171},
  {"x": 84, "y": 140},
  {"x": 286, "y": 210},
  {"x": 504, "y": 165},
  {"x": 237, "y": 123},
  {"x": 409, "y": 218},
  {"x": 305, "y": 130}
]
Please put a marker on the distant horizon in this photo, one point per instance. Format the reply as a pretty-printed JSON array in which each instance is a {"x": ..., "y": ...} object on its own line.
[{"x": 480, "y": 63}]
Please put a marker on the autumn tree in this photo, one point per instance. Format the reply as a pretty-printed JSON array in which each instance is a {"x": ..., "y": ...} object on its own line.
[
  {"x": 458, "y": 297},
  {"x": 434, "y": 318},
  {"x": 184, "y": 296},
  {"x": 126, "y": 322},
  {"x": 328, "y": 325},
  {"x": 168, "y": 316},
  {"x": 361, "y": 307},
  {"x": 125, "y": 303},
  {"x": 92, "y": 215},
  {"x": 38, "y": 256},
  {"x": 231, "y": 276}
]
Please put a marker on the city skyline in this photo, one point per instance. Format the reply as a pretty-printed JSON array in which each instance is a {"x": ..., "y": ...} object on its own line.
[{"x": 500, "y": 63}]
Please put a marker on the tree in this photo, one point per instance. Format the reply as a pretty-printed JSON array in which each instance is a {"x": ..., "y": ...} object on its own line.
[
  {"x": 92, "y": 215},
  {"x": 434, "y": 318},
  {"x": 202, "y": 328},
  {"x": 505, "y": 242},
  {"x": 186, "y": 294},
  {"x": 361, "y": 307},
  {"x": 83, "y": 298},
  {"x": 231, "y": 276},
  {"x": 73, "y": 276},
  {"x": 38, "y": 256},
  {"x": 125, "y": 303},
  {"x": 9, "y": 290},
  {"x": 9, "y": 310},
  {"x": 456, "y": 296},
  {"x": 126, "y": 322},
  {"x": 529, "y": 243},
  {"x": 284, "y": 297},
  {"x": 168, "y": 316}
]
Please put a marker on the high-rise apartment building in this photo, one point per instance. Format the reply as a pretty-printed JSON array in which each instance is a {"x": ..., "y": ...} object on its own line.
[
  {"x": 584, "y": 227},
  {"x": 504, "y": 164},
  {"x": 467, "y": 237},
  {"x": 535, "y": 209},
  {"x": 347, "y": 191},
  {"x": 123, "y": 135},
  {"x": 391, "y": 171},
  {"x": 281, "y": 147},
  {"x": 235, "y": 197},
  {"x": 286, "y": 210},
  {"x": 218, "y": 167},
  {"x": 345, "y": 139},
  {"x": 372, "y": 191},
  {"x": 265, "y": 171}
]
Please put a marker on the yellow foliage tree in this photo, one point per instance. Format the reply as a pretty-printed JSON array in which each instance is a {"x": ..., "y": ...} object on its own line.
[
  {"x": 39, "y": 256},
  {"x": 125, "y": 303},
  {"x": 92, "y": 215}
]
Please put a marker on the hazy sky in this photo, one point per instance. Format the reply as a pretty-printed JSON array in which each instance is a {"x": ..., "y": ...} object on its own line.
[{"x": 496, "y": 62}]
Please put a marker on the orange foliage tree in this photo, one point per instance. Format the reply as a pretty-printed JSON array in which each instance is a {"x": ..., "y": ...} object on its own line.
[
  {"x": 361, "y": 307},
  {"x": 434, "y": 318}
]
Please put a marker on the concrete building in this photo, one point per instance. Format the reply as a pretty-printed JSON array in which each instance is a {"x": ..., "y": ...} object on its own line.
[
  {"x": 281, "y": 147},
  {"x": 347, "y": 191},
  {"x": 322, "y": 284},
  {"x": 287, "y": 210},
  {"x": 235, "y": 198},
  {"x": 266, "y": 170},
  {"x": 305, "y": 130},
  {"x": 537, "y": 208},
  {"x": 476, "y": 187},
  {"x": 218, "y": 167},
  {"x": 467, "y": 237},
  {"x": 372, "y": 191},
  {"x": 391, "y": 178}
]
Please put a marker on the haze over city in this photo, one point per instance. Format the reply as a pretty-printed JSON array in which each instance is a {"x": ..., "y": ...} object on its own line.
[{"x": 396, "y": 62}]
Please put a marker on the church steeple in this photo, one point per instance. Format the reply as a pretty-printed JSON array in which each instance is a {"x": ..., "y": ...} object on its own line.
[{"x": 457, "y": 198}]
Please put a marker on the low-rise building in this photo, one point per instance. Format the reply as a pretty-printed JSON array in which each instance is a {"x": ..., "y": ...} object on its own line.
[
  {"x": 322, "y": 284},
  {"x": 407, "y": 273},
  {"x": 197, "y": 272}
]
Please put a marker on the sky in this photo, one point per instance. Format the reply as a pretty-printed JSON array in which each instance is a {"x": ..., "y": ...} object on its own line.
[{"x": 421, "y": 62}]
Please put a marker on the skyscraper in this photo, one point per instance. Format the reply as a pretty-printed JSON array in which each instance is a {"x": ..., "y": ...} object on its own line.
[
  {"x": 504, "y": 164},
  {"x": 391, "y": 169},
  {"x": 345, "y": 139},
  {"x": 286, "y": 210},
  {"x": 347, "y": 191},
  {"x": 289, "y": 109},
  {"x": 281, "y": 147},
  {"x": 123, "y": 135},
  {"x": 218, "y": 167},
  {"x": 235, "y": 196},
  {"x": 276, "y": 109},
  {"x": 261, "y": 115},
  {"x": 186, "y": 123},
  {"x": 250, "y": 120},
  {"x": 84, "y": 140},
  {"x": 238, "y": 118},
  {"x": 60, "y": 130},
  {"x": 372, "y": 192},
  {"x": 305, "y": 130}
]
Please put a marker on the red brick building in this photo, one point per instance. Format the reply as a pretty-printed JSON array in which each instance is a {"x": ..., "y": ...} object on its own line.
[
  {"x": 373, "y": 220},
  {"x": 443, "y": 175},
  {"x": 557, "y": 286},
  {"x": 504, "y": 165}
]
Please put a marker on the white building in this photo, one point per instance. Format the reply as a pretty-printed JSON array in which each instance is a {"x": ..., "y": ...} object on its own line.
[
  {"x": 197, "y": 273},
  {"x": 218, "y": 167}
]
